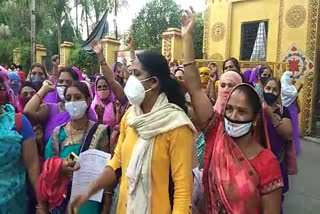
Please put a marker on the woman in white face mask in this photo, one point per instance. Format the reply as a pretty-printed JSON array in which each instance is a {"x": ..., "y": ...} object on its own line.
[
  {"x": 50, "y": 114},
  {"x": 241, "y": 174},
  {"x": 75, "y": 136},
  {"x": 155, "y": 147}
]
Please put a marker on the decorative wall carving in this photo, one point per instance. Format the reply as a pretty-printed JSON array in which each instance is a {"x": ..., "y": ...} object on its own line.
[
  {"x": 281, "y": 12},
  {"x": 218, "y": 31},
  {"x": 312, "y": 27},
  {"x": 296, "y": 16},
  {"x": 216, "y": 56},
  {"x": 305, "y": 123},
  {"x": 167, "y": 46},
  {"x": 205, "y": 32}
]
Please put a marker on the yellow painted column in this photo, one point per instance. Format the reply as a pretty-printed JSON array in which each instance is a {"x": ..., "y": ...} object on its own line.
[
  {"x": 110, "y": 48},
  {"x": 172, "y": 44},
  {"x": 17, "y": 56},
  {"x": 41, "y": 53},
  {"x": 65, "y": 51}
]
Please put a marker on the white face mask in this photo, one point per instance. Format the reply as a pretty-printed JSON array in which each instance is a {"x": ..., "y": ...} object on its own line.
[
  {"x": 76, "y": 109},
  {"x": 60, "y": 91},
  {"x": 135, "y": 91},
  {"x": 236, "y": 129}
]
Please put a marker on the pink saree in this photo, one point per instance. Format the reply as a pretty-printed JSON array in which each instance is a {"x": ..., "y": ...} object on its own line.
[{"x": 230, "y": 180}]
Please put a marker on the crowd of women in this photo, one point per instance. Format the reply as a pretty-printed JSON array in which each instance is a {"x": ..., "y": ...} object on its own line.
[{"x": 182, "y": 139}]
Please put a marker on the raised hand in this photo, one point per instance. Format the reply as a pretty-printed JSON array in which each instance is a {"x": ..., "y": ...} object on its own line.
[
  {"x": 124, "y": 61},
  {"x": 97, "y": 47},
  {"x": 47, "y": 87},
  {"x": 99, "y": 110},
  {"x": 213, "y": 69},
  {"x": 188, "y": 22},
  {"x": 130, "y": 43}
]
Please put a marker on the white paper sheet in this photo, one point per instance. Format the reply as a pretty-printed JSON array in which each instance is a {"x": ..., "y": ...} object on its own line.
[{"x": 92, "y": 162}]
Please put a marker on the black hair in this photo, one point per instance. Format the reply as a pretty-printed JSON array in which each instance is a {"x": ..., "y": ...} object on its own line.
[
  {"x": 73, "y": 74},
  {"x": 116, "y": 65},
  {"x": 273, "y": 79},
  {"x": 38, "y": 65},
  {"x": 82, "y": 87},
  {"x": 28, "y": 84},
  {"x": 252, "y": 97},
  {"x": 254, "y": 101},
  {"x": 102, "y": 78},
  {"x": 156, "y": 65},
  {"x": 262, "y": 68},
  {"x": 234, "y": 61}
]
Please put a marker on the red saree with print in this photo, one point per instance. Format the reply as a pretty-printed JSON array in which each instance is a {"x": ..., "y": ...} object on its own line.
[{"x": 231, "y": 182}]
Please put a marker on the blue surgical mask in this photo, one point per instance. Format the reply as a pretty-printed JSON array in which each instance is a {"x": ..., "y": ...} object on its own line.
[{"x": 37, "y": 83}]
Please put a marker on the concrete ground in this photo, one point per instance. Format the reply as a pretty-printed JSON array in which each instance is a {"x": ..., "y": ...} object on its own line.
[{"x": 304, "y": 194}]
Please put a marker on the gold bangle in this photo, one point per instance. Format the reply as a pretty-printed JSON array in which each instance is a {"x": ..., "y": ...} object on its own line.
[
  {"x": 108, "y": 193},
  {"x": 103, "y": 63},
  {"x": 38, "y": 96},
  {"x": 188, "y": 63}
]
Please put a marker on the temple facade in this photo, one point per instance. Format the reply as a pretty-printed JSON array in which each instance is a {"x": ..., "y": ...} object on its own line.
[{"x": 291, "y": 37}]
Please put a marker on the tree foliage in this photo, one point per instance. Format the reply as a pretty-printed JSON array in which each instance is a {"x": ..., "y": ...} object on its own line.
[
  {"x": 16, "y": 15},
  {"x": 81, "y": 59},
  {"x": 154, "y": 19},
  {"x": 59, "y": 10}
]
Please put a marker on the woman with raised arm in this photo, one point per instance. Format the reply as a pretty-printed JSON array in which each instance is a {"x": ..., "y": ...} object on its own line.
[
  {"x": 115, "y": 86},
  {"x": 155, "y": 147},
  {"x": 241, "y": 175},
  {"x": 103, "y": 103},
  {"x": 289, "y": 96},
  {"x": 50, "y": 114},
  {"x": 77, "y": 135}
]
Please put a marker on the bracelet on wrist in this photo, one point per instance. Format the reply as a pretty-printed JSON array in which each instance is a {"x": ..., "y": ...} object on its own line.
[
  {"x": 108, "y": 193},
  {"x": 37, "y": 95}
]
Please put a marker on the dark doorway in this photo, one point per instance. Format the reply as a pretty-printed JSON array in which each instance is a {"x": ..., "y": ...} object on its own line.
[{"x": 249, "y": 32}]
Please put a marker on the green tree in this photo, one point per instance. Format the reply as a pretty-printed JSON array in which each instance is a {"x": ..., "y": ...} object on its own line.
[
  {"x": 198, "y": 37},
  {"x": 153, "y": 19},
  {"x": 15, "y": 14},
  {"x": 81, "y": 59},
  {"x": 58, "y": 11}
]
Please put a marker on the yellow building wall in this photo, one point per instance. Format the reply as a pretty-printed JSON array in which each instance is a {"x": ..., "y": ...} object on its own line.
[
  {"x": 291, "y": 35},
  {"x": 232, "y": 13},
  {"x": 252, "y": 11},
  {"x": 110, "y": 48},
  {"x": 216, "y": 19},
  {"x": 41, "y": 53},
  {"x": 291, "y": 23}
]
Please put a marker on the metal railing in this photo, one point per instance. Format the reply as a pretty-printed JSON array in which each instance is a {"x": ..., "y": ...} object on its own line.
[{"x": 277, "y": 67}]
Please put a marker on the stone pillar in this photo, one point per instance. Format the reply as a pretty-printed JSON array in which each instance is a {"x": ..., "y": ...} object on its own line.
[
  {"x": 172, "y": 44},
  {"x": 16, "y": 56},
  {"x": 110, "y": 48},
  {"x": 41, "y": 53},
  {"x": 65, "y": 51}
]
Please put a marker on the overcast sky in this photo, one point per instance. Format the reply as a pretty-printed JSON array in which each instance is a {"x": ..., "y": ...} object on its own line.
[{"x": 127, "y": 14}]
